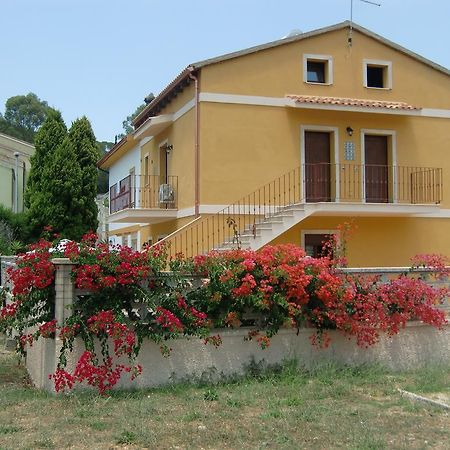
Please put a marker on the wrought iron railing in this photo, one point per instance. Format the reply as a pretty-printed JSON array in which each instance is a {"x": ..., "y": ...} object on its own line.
[
  {"x": 310, "y": 183},
  {"x": 144, "y": 191}
]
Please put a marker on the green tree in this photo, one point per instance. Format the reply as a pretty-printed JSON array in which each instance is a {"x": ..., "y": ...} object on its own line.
[
  {"x": 86, "y": 150},
  {"x": 16, "y": 132},
  {"x": 48, "y": 138},
  {"x": 61, "y": 204},
  {"x": 127, "y": 123},
  {"x": 27, "y": 111},
  {"x": 63, "y": 178},
  {"x": 24, "y": 114},
  {"x": 103, "y": 175}
]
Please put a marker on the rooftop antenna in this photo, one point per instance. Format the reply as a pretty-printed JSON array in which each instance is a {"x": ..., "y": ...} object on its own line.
[{"x": 350, "y": 33}]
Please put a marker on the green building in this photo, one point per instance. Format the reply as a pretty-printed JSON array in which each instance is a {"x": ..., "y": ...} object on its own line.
[{"x": 14, "y": 168}]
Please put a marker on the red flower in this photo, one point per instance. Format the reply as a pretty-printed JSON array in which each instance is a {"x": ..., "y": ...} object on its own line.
[{"x": 48, "y": 329}]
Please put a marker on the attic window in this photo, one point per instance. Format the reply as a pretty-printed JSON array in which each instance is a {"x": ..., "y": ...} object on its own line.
[
  {"x": 317, "y": 69},
  {"x": 377, "y": 74}
]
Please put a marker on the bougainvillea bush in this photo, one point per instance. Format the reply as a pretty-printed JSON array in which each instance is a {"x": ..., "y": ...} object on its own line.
[
  {"x": 124, "y": 297},
  {"x": 289, "y": 289}
]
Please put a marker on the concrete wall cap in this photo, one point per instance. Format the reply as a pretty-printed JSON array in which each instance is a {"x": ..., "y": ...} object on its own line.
[{"x": 62, "y": 261}]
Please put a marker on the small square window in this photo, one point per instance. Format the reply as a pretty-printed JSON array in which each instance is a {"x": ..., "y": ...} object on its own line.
[
  {"x": 316, "y": 71},
  {"x": 377, "y": 74}
]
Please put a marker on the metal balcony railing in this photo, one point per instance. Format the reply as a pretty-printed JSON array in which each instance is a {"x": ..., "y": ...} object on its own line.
[
  {"x": 371, "y": 184},
  {"x": 144, "y": 192},
  {"x": 309, "y": 183}
]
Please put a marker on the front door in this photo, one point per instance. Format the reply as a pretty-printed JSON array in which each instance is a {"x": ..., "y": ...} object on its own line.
[
  {"x": 376, "y": 169},
  {"x": 317, "y": 167}
]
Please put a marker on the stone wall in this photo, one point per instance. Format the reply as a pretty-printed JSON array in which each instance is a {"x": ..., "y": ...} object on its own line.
[{"x": 417, "y": 345}]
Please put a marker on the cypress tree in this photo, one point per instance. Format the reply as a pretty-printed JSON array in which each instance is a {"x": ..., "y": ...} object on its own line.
[
  {"x": 61, "y": 204},
  {"x": 48, "y": 138},
  {"x": 63, "y": 178},
  {"x": 86, "y": 150}
]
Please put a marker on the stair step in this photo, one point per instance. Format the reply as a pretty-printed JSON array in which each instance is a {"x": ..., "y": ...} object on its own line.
[
  {"x": 286, "y": 213},
  {"x": 295, "y": 208},
  {"x": 257, "y": 234},
  {"x": 264, "y": 226},
  {"x": 258, "y": 226},
  {"x": 245, "y": 239},
  {"x": 250, "y": 235}
]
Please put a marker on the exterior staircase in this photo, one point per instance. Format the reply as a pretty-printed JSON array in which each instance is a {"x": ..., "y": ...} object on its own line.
[
  {"x": 251, "y": 222},
  {"x": 270, "y": 228}
]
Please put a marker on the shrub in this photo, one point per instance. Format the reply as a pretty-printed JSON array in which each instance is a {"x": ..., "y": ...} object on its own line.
[{"x": 127, "y": 298}]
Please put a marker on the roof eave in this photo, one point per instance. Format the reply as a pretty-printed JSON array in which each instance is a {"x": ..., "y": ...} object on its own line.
[
  {"x": 102, "y": 163},
  {"x": 180, "y": 78},
  {"x": 401, "y": 49},
  {"x": 271, "y": 44}
]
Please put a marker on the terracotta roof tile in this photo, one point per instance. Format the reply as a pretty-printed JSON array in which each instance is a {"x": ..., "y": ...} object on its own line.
[{"x": 362, "y": 103}]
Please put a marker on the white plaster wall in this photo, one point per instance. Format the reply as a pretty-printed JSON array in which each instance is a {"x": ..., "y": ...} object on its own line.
[
  {"x": 41, "y": 361},
  {"x": 415, "y": 346},
  {"x": 121, "y": 169}
]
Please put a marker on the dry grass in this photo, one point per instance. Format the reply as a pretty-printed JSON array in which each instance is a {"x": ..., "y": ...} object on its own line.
[{"x": 330, "y": 407}]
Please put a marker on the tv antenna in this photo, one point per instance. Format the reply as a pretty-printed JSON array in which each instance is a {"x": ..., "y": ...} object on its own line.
[{"x": 351, "y": 17}]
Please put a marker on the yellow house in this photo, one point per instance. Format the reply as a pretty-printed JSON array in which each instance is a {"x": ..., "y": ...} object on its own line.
[
  {"x": 14, "y": 168},
  {"x": 285, "y": 141}
]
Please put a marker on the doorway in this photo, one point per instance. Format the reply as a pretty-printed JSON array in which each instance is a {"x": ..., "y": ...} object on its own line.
[
  {"x": 376, "y": 169},
  {"x": 163, "y": 164},
  {"x": 317, "y": 166}
]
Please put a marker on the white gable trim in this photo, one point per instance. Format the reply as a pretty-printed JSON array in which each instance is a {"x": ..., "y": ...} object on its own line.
[{"x": 213, "y": 97}]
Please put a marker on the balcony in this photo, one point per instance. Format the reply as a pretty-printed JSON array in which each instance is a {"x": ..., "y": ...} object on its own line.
[
  {"x": 325, "y": 182},
  {"x": 143, "y": 199},
  {"x": 312, "y": 190},
  {"x": 328, "y": 189}
]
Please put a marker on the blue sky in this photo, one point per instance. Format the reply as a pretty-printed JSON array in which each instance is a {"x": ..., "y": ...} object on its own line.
[{"x": 100, "y": 58}]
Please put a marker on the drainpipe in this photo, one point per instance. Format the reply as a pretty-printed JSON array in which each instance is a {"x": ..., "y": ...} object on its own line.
[
  {"x": 16, "y": 199},
  {"x": 196, "y": 147}
]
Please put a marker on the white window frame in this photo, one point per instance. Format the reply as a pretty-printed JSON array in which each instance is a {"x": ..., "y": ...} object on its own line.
[
  {"x": 387, "y": 65},
  {"x": 328, "y": 68},
  {"x": 335, "y": 137}
]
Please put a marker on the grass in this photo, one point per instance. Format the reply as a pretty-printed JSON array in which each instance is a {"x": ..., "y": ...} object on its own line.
[{"x": 329, "y": 407}]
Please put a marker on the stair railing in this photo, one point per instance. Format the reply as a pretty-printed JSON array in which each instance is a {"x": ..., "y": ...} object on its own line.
[
  {"x": 226, "y": 226},
  {"x": 310, "y": 183}
]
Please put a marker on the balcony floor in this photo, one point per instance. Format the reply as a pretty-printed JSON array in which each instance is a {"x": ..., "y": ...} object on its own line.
[
  {"x": 144, "y": 216},
  {"x": 370, "y": 209}
]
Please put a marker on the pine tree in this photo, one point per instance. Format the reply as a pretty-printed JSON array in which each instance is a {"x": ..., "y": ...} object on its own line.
[{"x": 86, "y": 150}]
